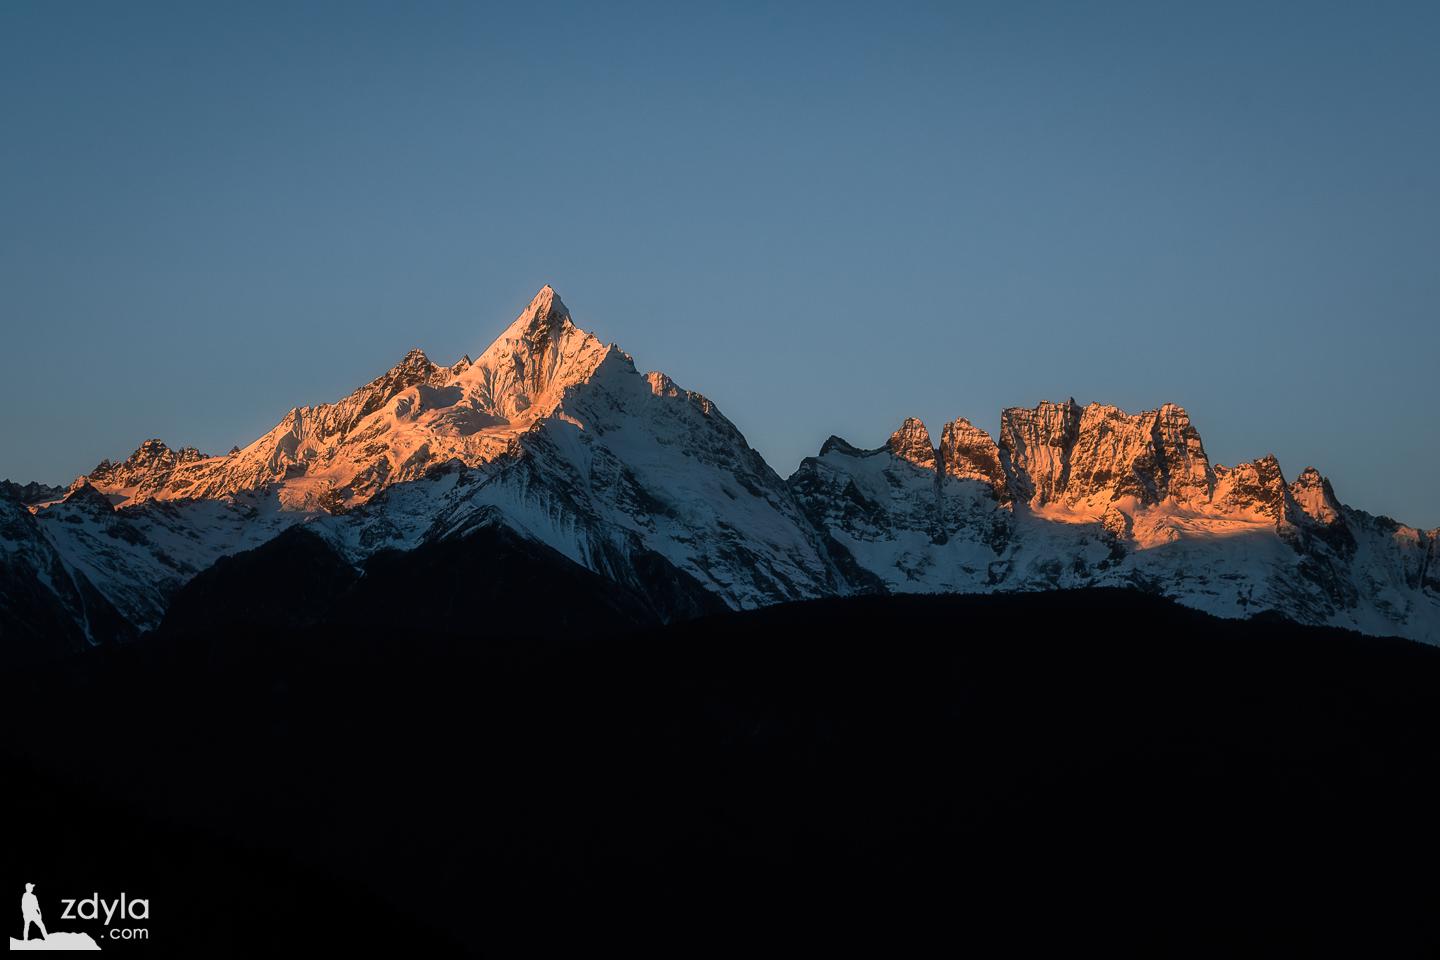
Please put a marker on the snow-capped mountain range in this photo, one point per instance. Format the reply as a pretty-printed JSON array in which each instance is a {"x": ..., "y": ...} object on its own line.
[{"x": 560, "y": 438}]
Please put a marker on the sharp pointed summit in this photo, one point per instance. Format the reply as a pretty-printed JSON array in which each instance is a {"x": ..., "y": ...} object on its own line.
[
  {"x": 546, "y": 314},
  {"x": 549, "y": 301}
]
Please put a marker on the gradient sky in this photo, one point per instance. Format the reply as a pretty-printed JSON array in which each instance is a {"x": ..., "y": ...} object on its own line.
[{"x": 825, "y": 218}]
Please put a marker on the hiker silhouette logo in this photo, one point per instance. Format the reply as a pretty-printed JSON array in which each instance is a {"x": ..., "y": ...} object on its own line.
[{"x": 36, "y": 936}]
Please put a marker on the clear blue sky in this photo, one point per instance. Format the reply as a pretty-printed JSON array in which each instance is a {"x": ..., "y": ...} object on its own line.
[{"x": 826, "y": 218}]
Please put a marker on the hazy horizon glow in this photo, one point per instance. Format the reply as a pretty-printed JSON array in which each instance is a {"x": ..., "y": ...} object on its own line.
[{"x": 825, "y": 218}]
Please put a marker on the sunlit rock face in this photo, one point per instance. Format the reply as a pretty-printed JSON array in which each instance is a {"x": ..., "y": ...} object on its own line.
[
  {"x": 911, "y": 443},
  {"x": 144, "y": 473},
  {"x": 1315, "y": 498},
  {"x": 1256, "y": 488},
  {"x": 556, "y": 436},
  {"x": 969, "y": 453},
  {"x": 1060, "y": 453},
  {"x": 1073, "y": 497},
  {"x": 1149, "y": 456},
  {"x": 1036, "y": 445}
]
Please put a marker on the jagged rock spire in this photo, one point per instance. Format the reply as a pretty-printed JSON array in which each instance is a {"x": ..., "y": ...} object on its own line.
[
  {"x": 1258, "y": 486},
  {"x": 1314, "y": 495},
  {"x": 912, "y": 442},
  {"x": 969, "y": 453}
]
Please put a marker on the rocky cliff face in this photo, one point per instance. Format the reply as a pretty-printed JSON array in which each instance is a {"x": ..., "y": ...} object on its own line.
[
  {"x": 1314, "y": 497},
  {"x": 969, "y": 453},
  {"x": 1073, "y": 496},
  {"x": 556, "y": 436},
  {"x": 1061, "y": 453},
  {"x": 145, "y": 473},
  {"x": 1036, "y": 447}
]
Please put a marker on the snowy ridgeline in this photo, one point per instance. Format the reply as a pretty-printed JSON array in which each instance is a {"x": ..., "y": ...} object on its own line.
[{"x": 559, "y": 437}]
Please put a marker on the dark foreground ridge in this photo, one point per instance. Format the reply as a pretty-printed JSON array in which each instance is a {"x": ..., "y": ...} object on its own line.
[{"x": 1088, "y": 767}]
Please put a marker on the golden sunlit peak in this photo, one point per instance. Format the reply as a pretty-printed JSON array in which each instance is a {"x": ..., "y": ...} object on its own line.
[{"x": 547, "y": 302}]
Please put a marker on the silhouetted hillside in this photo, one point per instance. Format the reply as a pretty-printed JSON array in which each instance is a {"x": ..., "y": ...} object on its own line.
[{"x": 1089, "y": 768}]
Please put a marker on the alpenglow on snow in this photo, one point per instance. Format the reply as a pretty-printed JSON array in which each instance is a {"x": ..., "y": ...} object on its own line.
[{"x": 558, "y": 437}]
